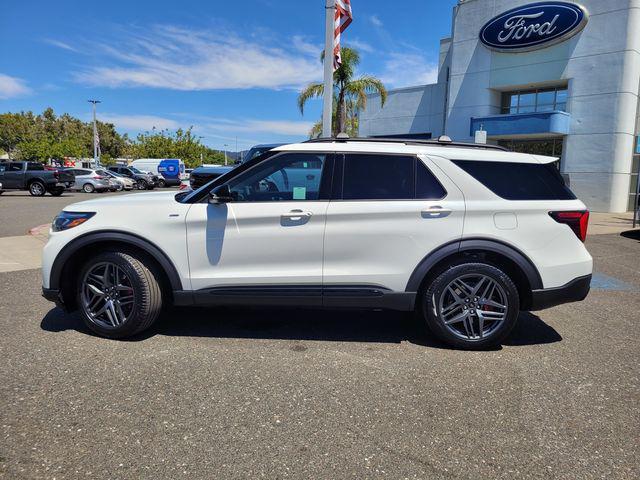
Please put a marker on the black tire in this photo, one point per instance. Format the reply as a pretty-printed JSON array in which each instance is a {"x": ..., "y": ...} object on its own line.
[
  {"x": 432, "y": 298},
  {"x": 141, "y": 184},
  {"x": 56, "y": 192},
  {"x": 88, "y": 188},
  {"x": 37, "y": 188},
  {"x": 162, "y": 183},
  {"x": 147, "y": 294}
]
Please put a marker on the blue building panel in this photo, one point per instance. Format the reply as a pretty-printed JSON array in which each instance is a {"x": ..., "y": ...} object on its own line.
[{"x": 551, "y": 123}]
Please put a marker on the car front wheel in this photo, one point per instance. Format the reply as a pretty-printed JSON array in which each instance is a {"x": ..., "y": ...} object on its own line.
[
  {"x": 471, "y": 306},
  {"x": 118, "y": 295},
  {"x": 141, "y": 184}
]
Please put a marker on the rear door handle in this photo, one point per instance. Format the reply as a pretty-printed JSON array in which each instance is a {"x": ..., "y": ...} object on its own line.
[{"x": 436, "y": 212}]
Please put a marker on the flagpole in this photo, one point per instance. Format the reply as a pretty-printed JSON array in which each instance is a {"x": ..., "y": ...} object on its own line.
[{"x": 327, "y": 111}]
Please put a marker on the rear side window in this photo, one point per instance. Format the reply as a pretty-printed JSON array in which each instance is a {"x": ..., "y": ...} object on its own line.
[
  {"x": 427, "y": 186},
  {"x": 33, "y": 166},
  {"x": 378, "y": 177},
  {"x": 519, "y": 181}
]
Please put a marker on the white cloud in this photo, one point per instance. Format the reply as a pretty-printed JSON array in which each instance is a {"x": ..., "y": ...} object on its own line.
[
  {"x": 359, "y": 45},
  {"x": 407, "y": 69},
  {"x": 376, "y": 20},
  {"x": 59, "y": 44},
  {"x": 138, "y": 122},
  {"x": 11, "y": 87},
  {"x": 180, "y": 59},
  {"x": 272, "y": 127}
]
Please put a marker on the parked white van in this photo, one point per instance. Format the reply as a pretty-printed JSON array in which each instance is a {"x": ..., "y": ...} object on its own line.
[{"x": 169, "y": 170}]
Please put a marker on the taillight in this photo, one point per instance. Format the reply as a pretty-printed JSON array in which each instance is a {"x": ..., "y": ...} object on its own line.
[{"x": 577, "y": 221}]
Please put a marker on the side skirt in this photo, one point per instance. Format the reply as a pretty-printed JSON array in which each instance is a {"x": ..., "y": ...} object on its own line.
[{"x": 334, "y": 296}]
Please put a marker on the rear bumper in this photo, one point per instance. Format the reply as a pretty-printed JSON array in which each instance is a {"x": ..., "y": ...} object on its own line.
[{"x": 574, "y": 291}]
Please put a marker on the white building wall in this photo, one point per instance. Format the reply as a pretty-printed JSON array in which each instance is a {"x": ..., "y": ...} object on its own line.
[{"x": 601, "y": 65}]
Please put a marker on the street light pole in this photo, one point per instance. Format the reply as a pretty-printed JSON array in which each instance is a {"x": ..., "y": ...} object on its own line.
[
  {"x": 225, "y": 153},
  {"x": 96, "y": 160}
]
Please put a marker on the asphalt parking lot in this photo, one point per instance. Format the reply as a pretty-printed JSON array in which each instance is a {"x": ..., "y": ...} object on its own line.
[{"x": 229, "y": 393}]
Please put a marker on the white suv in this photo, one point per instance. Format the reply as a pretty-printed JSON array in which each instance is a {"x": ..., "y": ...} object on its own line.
[{"x": 465, "y": 235}]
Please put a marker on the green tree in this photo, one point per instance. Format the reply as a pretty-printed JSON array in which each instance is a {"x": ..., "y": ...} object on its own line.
[
  {"x": 349, "y": 93},
  {"x": 182, "y": 144}
]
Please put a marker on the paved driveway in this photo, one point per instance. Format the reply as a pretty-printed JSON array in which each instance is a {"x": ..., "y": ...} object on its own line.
[{"x": 301, "y": 394}]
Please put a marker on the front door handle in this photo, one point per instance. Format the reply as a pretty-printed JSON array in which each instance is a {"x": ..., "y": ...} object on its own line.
[
  {"x": 436, "y": 212},
  {"x": 296, "y": 215}
]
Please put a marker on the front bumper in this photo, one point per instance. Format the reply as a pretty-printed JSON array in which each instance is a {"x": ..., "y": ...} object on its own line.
[
  {"x": 53, "y": 295},
  {"x": 574, "y": 291}
]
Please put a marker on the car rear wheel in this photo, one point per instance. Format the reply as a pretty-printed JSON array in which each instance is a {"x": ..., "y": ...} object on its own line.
[
  {"x": 88, "y": 188},
  {"x": 471, "y": 306},
  {"x": 162, "y": 183},
  {"x": 37, "y": 189},
  {"x": 118, "y": 295}
]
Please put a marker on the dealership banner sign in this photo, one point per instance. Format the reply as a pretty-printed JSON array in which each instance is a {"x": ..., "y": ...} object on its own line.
[{"x": 533, "y": 26}]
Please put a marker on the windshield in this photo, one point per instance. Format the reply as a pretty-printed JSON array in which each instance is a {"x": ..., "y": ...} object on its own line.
[{"x": 135, "y": 170}]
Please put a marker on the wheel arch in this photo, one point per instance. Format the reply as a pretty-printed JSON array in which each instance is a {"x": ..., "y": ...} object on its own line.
[
  {"x": 73, "y": 255},
  {"x": 502, "y": 255}
]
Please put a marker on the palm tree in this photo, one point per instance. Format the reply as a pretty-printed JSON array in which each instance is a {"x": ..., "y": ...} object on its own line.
[{"x": 349, "y": 94}]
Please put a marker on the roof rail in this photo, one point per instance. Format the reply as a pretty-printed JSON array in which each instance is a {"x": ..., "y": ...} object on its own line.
[{"x": 439, "y": 142}]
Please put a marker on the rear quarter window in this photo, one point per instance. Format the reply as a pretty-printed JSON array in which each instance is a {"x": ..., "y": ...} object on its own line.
[{"x": 519, "y": 181}]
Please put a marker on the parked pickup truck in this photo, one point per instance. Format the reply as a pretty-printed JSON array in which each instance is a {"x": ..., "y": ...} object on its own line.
[{"x": 32, "y": 176}]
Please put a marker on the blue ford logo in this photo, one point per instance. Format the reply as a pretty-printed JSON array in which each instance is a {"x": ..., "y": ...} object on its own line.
[{"x": 532, "y": 26}]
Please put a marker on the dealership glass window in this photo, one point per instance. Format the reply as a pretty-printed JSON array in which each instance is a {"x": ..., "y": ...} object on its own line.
[
  {"x": 538, "y": 100},
  {"x": 635, "y": 175}
]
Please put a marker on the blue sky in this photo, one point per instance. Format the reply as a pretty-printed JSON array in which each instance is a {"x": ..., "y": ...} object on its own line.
[{"x": 229, "y": 69}]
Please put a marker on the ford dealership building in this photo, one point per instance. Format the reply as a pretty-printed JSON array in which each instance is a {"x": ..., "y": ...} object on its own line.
[{"x": 552, "y": 78}]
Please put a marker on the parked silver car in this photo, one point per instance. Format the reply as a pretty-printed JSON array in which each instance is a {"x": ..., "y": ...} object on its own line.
[
  {"x": 90, "y": 181},
  {"x": 122, "y": 182}
]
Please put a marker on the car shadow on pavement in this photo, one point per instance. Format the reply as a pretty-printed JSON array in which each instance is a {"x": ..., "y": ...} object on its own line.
[
  {"x": 632, "y": 234},
  {"x": 302, "y": 324}
]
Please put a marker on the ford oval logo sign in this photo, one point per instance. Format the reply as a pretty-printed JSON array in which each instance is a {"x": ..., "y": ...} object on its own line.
[{"x": 533, "y": 26}]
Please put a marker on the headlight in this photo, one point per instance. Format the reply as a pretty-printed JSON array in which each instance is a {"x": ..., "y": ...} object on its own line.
[{"x": 67, "y": 220}]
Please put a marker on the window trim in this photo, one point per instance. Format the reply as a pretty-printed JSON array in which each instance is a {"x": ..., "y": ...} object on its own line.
[{"x": 338, "y": 181}]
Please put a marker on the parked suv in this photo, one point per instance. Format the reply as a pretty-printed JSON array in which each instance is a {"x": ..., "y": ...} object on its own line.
[
  {"x": 89, "y": 180},
  {"x": 466, "y": 236},
  {"x": 144, "y": 181}
]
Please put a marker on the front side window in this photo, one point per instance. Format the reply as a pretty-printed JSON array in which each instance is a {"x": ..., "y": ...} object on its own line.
[
  {"x": 378, "y": 177},
  {"x": 287, "y": 177}
]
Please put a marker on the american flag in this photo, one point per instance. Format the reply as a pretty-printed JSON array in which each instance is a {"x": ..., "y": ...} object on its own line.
[{"x": 343, "y": 18}]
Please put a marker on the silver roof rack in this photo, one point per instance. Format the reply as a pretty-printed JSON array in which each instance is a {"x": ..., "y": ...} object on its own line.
[{"x": 442, "y": 141}]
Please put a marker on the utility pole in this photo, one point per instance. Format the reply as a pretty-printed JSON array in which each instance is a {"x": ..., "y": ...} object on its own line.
[{"x": 96, "y": 146}]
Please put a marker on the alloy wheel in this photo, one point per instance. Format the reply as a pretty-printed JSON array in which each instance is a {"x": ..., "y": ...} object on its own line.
[
  {"x": 107, "y": 295},
  {"x": 473, "y": 306},
  {"x": 37, "y": 189}
]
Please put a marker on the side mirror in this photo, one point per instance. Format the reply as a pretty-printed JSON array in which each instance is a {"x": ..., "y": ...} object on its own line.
[{"x": 221, "y": 194}]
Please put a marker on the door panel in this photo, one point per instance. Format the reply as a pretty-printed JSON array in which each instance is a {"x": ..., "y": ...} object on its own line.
[
  {"x": 381, "y": 241},
  {"x": 270, "y": 234},
  {"x": 277, "y": 243}
]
